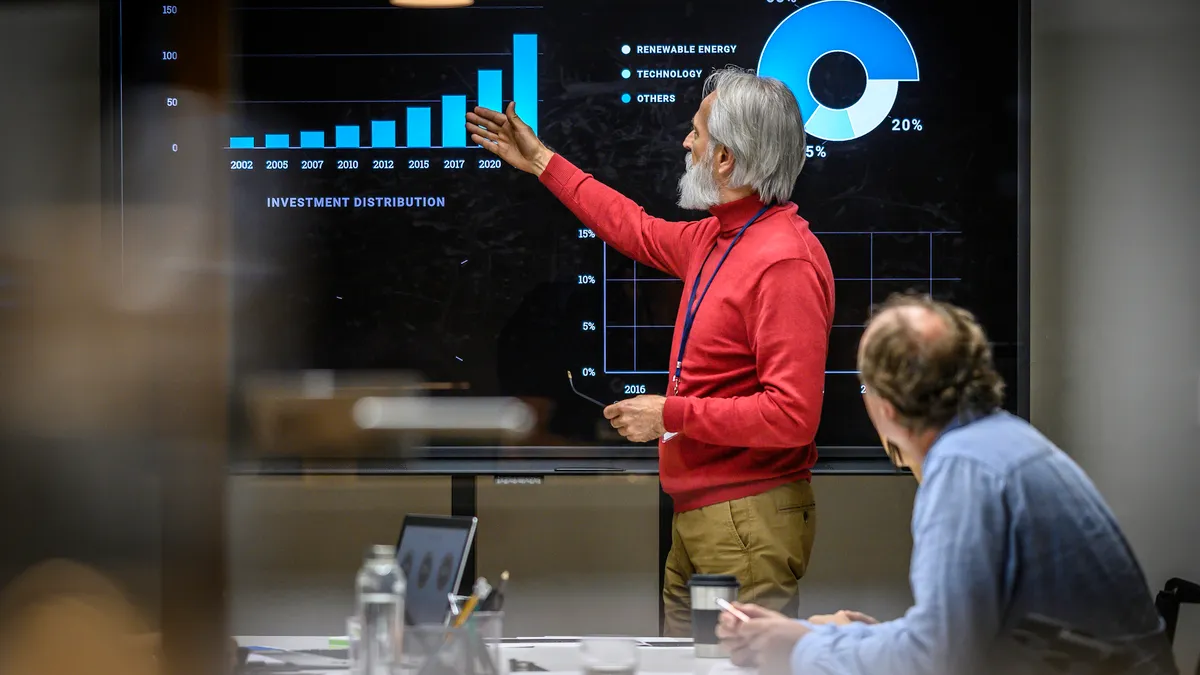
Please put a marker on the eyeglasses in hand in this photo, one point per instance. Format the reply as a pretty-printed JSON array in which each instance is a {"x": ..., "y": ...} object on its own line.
[{"x": 580, "y": 394}]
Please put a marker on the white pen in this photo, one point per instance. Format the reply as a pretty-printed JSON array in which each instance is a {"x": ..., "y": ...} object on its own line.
[{"x": 724, "y": 604}]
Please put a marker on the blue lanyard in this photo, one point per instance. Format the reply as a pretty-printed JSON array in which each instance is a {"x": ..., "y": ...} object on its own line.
[{"x": 689, "y": 317}]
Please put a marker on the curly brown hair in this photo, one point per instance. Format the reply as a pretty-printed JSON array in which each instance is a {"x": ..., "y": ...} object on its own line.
[{"x": 929, "y": 378}]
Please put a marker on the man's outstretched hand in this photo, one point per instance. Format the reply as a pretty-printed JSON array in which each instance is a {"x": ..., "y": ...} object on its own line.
[{"x": 509, "y": 138}]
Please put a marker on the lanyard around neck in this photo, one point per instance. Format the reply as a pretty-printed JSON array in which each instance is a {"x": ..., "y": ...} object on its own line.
[{"x": 693, "y": 305}]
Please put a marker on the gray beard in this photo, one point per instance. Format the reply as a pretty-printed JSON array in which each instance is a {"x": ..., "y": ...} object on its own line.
[{"x": 698, "y": 190}]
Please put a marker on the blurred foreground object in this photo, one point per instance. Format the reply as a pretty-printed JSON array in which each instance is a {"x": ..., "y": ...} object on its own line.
[
  {"x": 59, "y": 603},
  {"x": 113, "y": 345},
  {"x": 325, "y": 414},
  {"x": 509, "y": 418}
]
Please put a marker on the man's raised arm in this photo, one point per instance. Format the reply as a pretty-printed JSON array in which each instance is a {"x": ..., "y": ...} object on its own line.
[{"x": 616, "y": 219}]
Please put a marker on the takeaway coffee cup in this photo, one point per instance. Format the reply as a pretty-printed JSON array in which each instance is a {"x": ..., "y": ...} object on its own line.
[{"x": 706, "y": 588}]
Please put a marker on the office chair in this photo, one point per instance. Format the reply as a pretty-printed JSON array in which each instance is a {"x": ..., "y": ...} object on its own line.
[
  {"x": 1052, "y": 646},
  {"x": 1176, "y": 592}
]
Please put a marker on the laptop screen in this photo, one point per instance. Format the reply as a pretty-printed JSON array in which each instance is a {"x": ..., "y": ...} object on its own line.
[{"x": 432, "y": 557}]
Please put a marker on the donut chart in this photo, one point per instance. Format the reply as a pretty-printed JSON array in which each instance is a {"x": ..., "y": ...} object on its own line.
[{"x": 848, "y": 26}]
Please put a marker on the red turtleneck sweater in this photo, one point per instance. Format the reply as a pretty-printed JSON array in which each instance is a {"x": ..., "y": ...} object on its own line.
[{"x": 749, "y": 399}]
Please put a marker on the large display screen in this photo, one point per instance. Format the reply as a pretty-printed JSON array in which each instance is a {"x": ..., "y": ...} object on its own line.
[{"x": 382, "y": 238}]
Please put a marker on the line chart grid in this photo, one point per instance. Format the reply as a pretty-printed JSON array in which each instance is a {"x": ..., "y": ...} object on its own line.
[
  {"x": 640, "y": 303},
  {"x": 639, "y": 316}
]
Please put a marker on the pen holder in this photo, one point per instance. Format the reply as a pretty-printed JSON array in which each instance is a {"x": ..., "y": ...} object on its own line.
[
  {"x": 489, "y": 627},
  {"x": 472, "y": 649}
]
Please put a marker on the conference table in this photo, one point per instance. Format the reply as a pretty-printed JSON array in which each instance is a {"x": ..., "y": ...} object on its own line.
[{"x": 557, "y": 655}]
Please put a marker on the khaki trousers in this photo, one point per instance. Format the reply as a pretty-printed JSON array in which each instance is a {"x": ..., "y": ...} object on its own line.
[{"x": 764, "y": 540}]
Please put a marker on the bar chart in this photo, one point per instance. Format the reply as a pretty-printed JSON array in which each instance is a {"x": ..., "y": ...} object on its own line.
[{"x": 422, "y": 124}]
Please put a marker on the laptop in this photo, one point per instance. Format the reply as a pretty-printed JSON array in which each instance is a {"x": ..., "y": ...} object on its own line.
[{"x": 432, "y": 551}]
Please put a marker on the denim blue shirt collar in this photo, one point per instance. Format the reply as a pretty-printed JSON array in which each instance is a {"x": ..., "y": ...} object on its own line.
[{"x": 963, "y": 419}]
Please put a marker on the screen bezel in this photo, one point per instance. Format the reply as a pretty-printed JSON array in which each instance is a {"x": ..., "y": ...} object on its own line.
[{"x": 111, "y": 129}]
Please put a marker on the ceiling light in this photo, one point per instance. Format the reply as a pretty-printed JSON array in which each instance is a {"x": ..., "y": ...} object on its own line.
[{"x": 432, "y": 4}]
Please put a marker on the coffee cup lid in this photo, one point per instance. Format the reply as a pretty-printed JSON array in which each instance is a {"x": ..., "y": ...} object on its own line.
[{"x": 711, "y": 580}]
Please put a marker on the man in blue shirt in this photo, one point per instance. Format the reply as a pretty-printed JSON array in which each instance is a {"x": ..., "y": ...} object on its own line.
[{"x": 1005, "y": 526}]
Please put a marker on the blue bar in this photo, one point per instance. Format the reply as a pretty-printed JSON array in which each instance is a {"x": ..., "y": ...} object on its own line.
[
  {"x": 525, "y": 78},
  {"x": 241, "y": 142},
  {"x": 383, "y": 134},
  {"x": 419, "y": 124},
  {"x": 278, "y": 141},
  {"x": 490, "y": 95},
  {"x": 454, "y": 121},
  {"x": 312, "y": 139},
  {"x": 345, "y": 137}
]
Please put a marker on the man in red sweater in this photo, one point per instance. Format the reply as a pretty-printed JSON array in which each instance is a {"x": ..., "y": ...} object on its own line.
[{"x": 736, "y": 431}]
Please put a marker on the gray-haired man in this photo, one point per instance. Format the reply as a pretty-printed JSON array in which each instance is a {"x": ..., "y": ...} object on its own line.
[{"x": 747, "y": 371}]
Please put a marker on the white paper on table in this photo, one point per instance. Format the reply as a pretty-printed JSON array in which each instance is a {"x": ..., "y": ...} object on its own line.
[
  {"x": 301, "y": 659},
  {"x": 640, "y": 671},
  {"x": 726, "y": 667}
]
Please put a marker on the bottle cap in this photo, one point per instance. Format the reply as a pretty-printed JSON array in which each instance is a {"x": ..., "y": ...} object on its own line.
[{"x": 381, "y": 551}]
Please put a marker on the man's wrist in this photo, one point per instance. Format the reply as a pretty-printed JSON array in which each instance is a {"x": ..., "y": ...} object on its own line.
[
  {"x": 541, "y": 161},
  {"x": 673, "y": 413}
]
